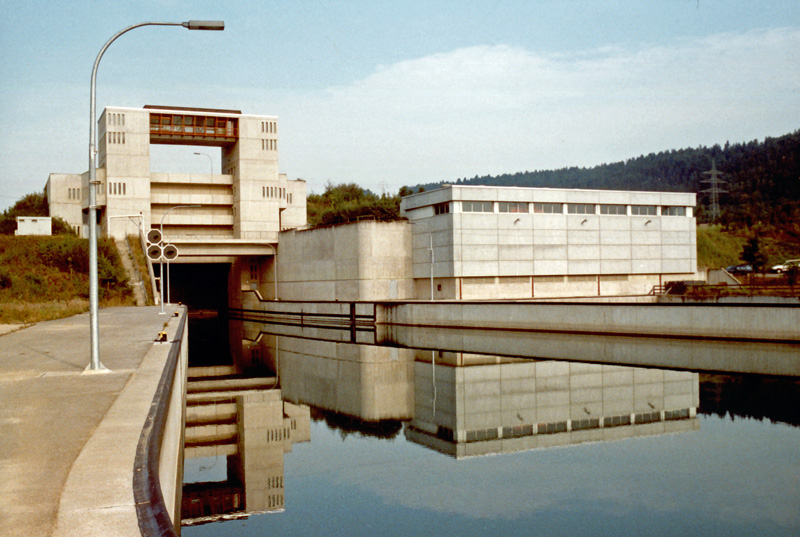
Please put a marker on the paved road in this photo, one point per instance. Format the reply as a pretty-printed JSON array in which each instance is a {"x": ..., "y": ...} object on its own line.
[{"x": 49, "y": 409}]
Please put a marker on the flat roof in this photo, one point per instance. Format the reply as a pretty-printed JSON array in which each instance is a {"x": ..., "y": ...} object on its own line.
[{"x": 192, "y": 109}]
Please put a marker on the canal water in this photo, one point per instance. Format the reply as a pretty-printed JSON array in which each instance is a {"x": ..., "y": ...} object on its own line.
[{"x": 364, "y": 440}]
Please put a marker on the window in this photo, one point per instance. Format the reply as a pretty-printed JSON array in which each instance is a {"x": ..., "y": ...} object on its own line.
[
  {"x": 478, "y": 280},
  {"x": 614, "y": 209},
  {"x": 512, "y": 207},
  {"x": 673, "y": 211},
  {"x": 477, "y": 206},
  {"x": 616, "y": 421},
  {"x": 643, "y": 210},
  {"x": 580, "y": 208},
  {"x": 548, "y": 208},
  {"x": 441, "y": 208},
  {"x": 647, "y": 417}
]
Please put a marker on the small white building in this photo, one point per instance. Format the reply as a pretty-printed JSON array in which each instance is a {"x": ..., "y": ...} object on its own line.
[
  {"x": 34, "y": 225},
  {"x": 509, "y": 242}
]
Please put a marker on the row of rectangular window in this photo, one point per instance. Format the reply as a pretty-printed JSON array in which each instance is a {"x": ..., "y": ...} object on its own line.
[
  {"x": 269, "y": 126},
  {"x": 196, "y": 125},
  {"x": 518, "y": 431},
  {"x": 491, "y": 280},
  {"x": 116, "y": 137},
  {"x": 558, "y": 208},
  {"x": 117, "y": 189},
  {"x": 116, "y": 119},
  {"x": 276, "y": 192},
  {"x": 74, "y": 193},
  {"x": 269, "y": 145}
]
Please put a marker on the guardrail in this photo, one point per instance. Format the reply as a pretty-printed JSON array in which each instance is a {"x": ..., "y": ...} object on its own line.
[{"x": 322, "y": 315}]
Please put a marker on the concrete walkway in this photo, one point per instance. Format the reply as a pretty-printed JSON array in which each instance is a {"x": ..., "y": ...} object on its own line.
[{"x": 49, "y": 409}]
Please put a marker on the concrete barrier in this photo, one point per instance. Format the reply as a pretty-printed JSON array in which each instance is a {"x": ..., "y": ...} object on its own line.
[
  {"x": 747, "y": 322},
  {"x": 158, "y": 470}
]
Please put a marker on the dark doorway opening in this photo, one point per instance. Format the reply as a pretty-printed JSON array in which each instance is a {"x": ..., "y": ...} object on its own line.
[{"x": 203, "y": 288}]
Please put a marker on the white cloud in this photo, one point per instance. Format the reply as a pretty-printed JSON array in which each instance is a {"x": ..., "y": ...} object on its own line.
[{"x": 496, "y": 109}]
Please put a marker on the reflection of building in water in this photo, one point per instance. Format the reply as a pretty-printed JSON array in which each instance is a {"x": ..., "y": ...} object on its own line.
[
  {"x": 468, "y": 405},
  {"x": 253, "y": 430},
  {"x": 367, "y": 382}
]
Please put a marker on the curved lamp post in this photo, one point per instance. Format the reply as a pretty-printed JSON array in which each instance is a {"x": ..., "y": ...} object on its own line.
[
  {"x": 94, "y": 329},
  {"x": 210, "y": 162}
]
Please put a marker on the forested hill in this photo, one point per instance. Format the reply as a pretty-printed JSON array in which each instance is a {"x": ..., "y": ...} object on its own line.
[{"x": 763, "y": 178}]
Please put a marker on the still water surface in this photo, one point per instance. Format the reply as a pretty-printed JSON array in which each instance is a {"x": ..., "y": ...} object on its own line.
[{"x": 483, "y": 450}]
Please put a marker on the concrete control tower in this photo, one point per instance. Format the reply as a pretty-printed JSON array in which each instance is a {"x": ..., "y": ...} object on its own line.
[{"x": 237, "y": 212}]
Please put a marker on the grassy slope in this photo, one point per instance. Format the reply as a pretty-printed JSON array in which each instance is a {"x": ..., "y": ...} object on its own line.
[
  {"x": 45, "y": 278},
  {"x": 717, "y": 248}
]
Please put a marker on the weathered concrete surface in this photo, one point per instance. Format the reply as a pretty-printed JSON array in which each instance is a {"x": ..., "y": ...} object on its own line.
[
  {"x": 50, "y": 412},
  {"x": 757, "y": 322}
]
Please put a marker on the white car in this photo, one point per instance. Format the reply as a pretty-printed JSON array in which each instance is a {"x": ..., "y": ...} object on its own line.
[{"x": 786, "y": 265}]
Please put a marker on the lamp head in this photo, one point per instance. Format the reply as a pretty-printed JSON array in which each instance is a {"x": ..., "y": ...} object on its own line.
[{"x": 204, "y": 25}]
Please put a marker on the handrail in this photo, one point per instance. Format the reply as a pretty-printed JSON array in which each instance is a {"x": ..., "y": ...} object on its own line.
[{"x": 154, "y": 519}]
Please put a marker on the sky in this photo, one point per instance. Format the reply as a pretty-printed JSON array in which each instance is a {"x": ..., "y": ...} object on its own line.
[{"x": 386, "y": 94}]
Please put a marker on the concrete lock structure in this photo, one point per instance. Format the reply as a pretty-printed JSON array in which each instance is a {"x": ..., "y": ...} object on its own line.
[
  {"x": 460, "y": 242},
  {"x": 228, "y": 217}
]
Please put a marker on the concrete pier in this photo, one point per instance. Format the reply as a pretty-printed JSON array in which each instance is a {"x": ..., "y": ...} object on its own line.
[{"x": 69, "y": 439}]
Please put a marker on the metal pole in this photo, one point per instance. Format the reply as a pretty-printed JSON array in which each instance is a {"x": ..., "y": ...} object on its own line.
[
  {"x": 161, "y": 259},
  {"x": 430, "y": 239},
  {"x": 94, "y": 309},
  {"x": 210, "y": 162},
  {"x": 168, "y": 299}
]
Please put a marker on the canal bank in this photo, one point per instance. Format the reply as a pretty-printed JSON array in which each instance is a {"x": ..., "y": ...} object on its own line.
[{"x": 70, "y": 440}]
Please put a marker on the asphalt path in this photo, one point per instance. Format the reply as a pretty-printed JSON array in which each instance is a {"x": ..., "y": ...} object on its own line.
[{"x": 49, "y": 407}]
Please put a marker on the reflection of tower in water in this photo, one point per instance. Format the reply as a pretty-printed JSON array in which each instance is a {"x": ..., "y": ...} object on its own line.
[{"x": 252, "y": 429}]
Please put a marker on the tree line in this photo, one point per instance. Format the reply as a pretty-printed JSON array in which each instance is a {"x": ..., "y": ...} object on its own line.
[{"x": 762, "y": 178}]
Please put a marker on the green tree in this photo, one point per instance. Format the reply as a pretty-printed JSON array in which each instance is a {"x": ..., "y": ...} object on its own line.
[
  {"x": 28, "y": 205},
  {"x": 348, "y": 202},
  {"x": 752, "y": 253},
  {"x": 35, "y": 204}
]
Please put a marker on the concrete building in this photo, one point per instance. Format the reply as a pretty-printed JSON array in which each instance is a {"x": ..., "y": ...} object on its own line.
[
  {"x": 509, "y": 242},
  {"x": 239, "y": 210},
  {"x": 232, "y": 216},
  {"x": 34, "y": 225}
]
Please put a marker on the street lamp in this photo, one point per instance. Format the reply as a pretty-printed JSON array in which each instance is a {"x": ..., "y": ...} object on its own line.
[
  {"x": 430, "y": 247},
  {"x": 94, "y": 322},
  {"x": 210, "y": 162},
  {"x": 161, "y": 259}
]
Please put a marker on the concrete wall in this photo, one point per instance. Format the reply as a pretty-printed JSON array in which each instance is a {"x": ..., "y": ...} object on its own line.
[
  {"x": 363, "y": 261},
  {"x": 756, "y": 322},
  {"x": 65, "y": 196},
  {"x": 170, "y": 465}
]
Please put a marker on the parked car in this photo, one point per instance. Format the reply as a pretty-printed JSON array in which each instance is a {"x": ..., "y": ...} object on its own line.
[
  {"x": 745, "y": 268},
  {"x": 786, "y": 265}
]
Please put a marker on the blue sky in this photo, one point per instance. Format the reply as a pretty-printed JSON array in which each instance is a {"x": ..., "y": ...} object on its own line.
[{"x": 387, "y": 94}]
